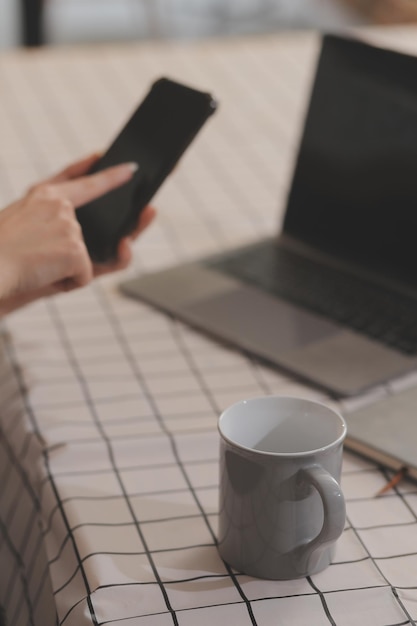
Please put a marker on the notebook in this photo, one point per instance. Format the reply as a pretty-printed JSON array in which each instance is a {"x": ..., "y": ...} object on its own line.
[
  {"x": 332, "y": 297},
  {"x": 382, "y": 426}
]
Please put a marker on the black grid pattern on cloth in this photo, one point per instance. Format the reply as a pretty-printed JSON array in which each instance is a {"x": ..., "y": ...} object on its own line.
[
  {"x": 124, "y": 400},
  {"x": 25, "y": 589}
]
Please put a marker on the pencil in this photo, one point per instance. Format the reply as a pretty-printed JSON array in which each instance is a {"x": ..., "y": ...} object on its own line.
[{"x": 395, "y": 480}]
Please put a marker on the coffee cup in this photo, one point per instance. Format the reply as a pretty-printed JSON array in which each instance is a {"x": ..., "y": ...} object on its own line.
[{"x": 281, "y": 507}]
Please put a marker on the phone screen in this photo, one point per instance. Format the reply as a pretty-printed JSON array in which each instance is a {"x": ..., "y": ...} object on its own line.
[{"x": 155, "y": 137}]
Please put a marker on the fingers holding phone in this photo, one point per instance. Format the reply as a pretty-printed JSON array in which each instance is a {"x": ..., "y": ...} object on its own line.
[
  {"x": 124, "y": 252},
  {"x": 41, "y": 242},
  {"x": 80, "y": 223}
]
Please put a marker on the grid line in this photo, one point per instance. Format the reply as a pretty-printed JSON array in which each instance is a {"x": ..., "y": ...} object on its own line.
[
  {"x": 90, "y": 403},
  {"x": 111, "y": 378},
  {"x": 174, "y": 448}
]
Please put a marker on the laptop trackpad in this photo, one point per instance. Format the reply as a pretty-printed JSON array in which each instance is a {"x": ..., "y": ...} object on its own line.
[
  {"x": 302, "y": 342},
  {"x": 259, "y": 322}
]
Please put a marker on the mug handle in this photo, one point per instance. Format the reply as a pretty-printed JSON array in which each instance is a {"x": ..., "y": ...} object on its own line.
[{"x": 334, "y": 509}]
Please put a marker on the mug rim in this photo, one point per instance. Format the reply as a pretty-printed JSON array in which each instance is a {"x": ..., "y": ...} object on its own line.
[{"x": 329, "y": 446}]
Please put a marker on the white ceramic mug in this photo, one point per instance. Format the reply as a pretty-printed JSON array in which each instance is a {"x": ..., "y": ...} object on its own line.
[{"x": 281, "y": 506}]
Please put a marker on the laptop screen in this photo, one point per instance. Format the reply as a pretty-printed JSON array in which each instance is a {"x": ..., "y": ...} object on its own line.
[{"x": 354, "y": 190}]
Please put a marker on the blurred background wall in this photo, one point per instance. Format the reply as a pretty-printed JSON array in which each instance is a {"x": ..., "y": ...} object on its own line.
[
  {"x": 81, "y": 21},
  {"x": 187, "y": 18},
  {"x": 9, "y": 23},
  {"x": 73, "y": 21}
]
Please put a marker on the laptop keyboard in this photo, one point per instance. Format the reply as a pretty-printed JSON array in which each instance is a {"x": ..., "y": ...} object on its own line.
[{"x": 364, "y": 307}]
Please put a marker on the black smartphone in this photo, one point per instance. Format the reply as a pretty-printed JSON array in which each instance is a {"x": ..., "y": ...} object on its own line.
[{"x": 155, "y": 137}]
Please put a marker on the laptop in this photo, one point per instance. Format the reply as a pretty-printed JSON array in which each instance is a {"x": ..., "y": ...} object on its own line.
[{"x": 332, "y": 297}]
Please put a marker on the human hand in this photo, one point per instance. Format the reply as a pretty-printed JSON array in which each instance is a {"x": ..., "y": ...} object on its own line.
[{"x": 42, "y": 250}]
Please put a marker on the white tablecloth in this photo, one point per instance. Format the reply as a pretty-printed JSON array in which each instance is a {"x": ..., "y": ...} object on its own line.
[{"x": 108, "y": 436}]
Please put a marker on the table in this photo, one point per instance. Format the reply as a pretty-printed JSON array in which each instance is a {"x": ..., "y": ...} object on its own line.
[{"x": 108, "y": 439}]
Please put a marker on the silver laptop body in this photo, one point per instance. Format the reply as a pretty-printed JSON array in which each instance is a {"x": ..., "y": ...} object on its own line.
[{"x": 332, "y": 298}]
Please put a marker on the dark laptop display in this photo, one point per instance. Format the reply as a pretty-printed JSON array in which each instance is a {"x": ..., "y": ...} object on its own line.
[{"x": 354, "y": 191}]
